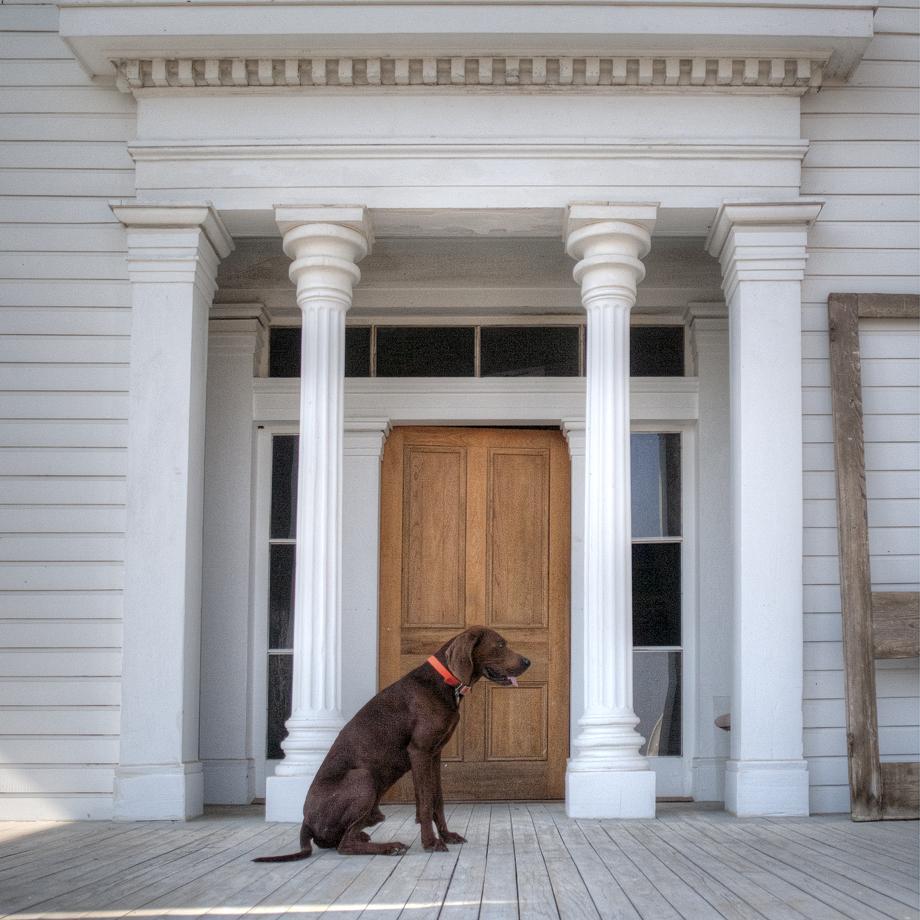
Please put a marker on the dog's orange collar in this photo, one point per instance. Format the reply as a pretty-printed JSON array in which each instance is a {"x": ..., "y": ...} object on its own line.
[{"x": 460, "y": 689}]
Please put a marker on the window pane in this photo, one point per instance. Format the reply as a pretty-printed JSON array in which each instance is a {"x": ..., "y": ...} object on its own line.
[
  {"x": 281, "y": 596},
  {"x": 655, "y": 466},
  {"x": 656, "y": 351},
  {"x": 656, "y": 593},
  {"x": 284, "y": 487},
  {"x": 357, "y": 351},
  {"x": 657, "y": 703},
  {"x": 284, "y": 351},
  {"x": 425, "y": 351},
  {"x": 528, "y": 351},
  {"x": 280, "y": 685}
]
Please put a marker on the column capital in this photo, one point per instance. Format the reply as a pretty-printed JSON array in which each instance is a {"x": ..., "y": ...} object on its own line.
[
  {"x": 325, "y": 244},
  {"x": 609, "y": 240},
  {"x": 237, "y": 328},
  {"x": 137, "y": 215},
  {"x": 573, "y": 429},
  {"x": 365, "y": 437},
  {"x": 762, "y": 241}
]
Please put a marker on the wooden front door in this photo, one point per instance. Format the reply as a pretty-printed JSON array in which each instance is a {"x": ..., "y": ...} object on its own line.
[{"x": 475, "y": 531}]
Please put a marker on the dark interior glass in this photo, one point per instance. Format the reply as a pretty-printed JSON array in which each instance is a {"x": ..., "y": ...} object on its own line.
[
  {"x": 656, "y": 351},
  {"x": 280, "y": 686},
  {"x": 528, "y": 351},
  {"x": 657, "y": 702},
  {"x": 284, "y": 351},
  {"x": 655, "y": 473},
  {"x": 425, "y": 351},
  {"x": 284, "y": 487},
  {"x": 281, "y": 596},
  {"x": 357, "y": 351},
  {"x": 656, "y": 593}
]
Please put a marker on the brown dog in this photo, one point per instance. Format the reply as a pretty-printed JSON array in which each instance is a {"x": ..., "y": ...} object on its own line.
[{"x": 404, "y": 727}]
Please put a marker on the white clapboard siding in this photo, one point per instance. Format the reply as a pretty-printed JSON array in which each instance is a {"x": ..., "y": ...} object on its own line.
[
  {"x": 64, "y": 351},
  {"x": 863, "y": 161}
]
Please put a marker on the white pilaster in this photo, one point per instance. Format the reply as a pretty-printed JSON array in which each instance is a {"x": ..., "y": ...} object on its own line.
[
  {"x": 708, "y": 324},
  {"x": 173, "y": 254},
  {"x": 606, "y": 776},
  {"x": 325, "y": 243},
  {"x": 762, "y": 250},
  {"x": 364, "y": 440},
  {"x": 235, "y": 339}
]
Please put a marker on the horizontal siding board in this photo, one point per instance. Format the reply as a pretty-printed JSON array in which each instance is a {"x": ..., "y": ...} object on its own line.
[
  {"x": 60, "y": 691},
  {"x": 60, "y": 749},
  {"x": 69, "y": 490},
  {"x": 886, "y": 73},
  {"x": 77, "y": 182},
  {"x": 849, "y": 99},
  {"x": 883, "y": 541},
  {"x": 70, "y": 377},
  {"x": 59, "y": 634},
  {"x": 62, "y": 433},
  {"x": 62, "y": 321},
  {"x": 61, "y": 548},
  {"x": 893, "y": 48},
  {"x": 74, "y": 461},
  {"x": 92, "y": 266},
  {"x": 30, "y": 127},
  {"x": 66, "y": 155},
  {"x": 878, "y": 456},
  {"x": 34, "y": 237},
  {"x": 63, "y": 100},
  {"x": 61, "y": 604},
  {"x": 47, "y": 73},
  {"x": 893, "y": 741},
  {"x": 896, "y": 20},
  {"x": 64, "y": 405},
  {"x": 45, "y": 293},
  {"x": 854, "y": 234},
  {"x": 76, "y": 806},
  {"x": 64, "y": 349},
  {"x": 886, "y": 181},
  {"x": 840, "y": 127},
  {"x": 58, "y": 519},
  {"x": 61, "y": 576},
  {"x": 901, "y": 207},
  {"x": 895, "y": 484},
  {"x": 51, "y": 780},
  {"x": 828, "y": 800},
  {"x": 61, "y": 721},
  {"x": 59, "y": 663},
  {"x": 35, "y": 45},
  {"x": 868, "y": 153}
]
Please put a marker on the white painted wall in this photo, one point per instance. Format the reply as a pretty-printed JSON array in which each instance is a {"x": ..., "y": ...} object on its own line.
[
  {"x": 863, "y": 161},
  {"x": 63, "y": 406}
]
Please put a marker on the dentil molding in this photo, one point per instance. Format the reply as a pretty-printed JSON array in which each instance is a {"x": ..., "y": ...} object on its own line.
[{"x": 788, "y": 75}]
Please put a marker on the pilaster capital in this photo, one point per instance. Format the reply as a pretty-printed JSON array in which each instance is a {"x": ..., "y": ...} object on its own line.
[
  {"x": 762, "y": 241},
  {"x": 706, "y": 317},
  {"x": 573, "y": 430},
  {"x": 325, "y": 244},
  {"x": 174, "y": 243},
  {"x": 609, "y": 241},
  {"x": 237, "y": 328},
  {"x": 365, "y": 437}
]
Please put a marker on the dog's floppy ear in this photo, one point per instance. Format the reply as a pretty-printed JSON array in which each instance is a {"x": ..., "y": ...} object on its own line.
[{"x": 459, "y": 654}]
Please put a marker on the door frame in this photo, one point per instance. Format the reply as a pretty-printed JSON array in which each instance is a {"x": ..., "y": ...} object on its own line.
[{"x": 657, "y": 404}]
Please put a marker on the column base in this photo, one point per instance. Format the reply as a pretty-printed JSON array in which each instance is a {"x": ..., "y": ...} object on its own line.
[
  {"x": 285, "y": 795},
  {"x": 609, "y": 793},
  {"x": 159, "y": 792},
  {"x": 229, "y": 782},
  {"x": 765, "y": 788}
]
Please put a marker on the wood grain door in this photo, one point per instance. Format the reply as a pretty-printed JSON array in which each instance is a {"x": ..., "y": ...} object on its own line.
[{"x": 475, "y": 531}]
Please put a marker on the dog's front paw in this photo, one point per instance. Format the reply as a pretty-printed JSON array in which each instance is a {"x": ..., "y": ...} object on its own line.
[
  {"x": 396, "y": 848},
  {"x": 451, "y": 837},
  {"x": 436, "y": 846}
]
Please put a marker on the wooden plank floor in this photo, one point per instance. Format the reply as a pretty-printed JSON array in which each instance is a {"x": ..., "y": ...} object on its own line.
[{"x": 520, "y": 861}]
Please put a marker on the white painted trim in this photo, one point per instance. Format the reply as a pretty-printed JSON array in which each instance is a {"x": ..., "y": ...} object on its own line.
[{"x": 478, "y": 401}]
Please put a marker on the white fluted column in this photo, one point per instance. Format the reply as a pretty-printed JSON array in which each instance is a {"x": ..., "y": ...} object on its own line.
[
  {"x": 325, "y": 244},
  {"x": 606, "y": 776},
  {"x": 762, "y": 249}
]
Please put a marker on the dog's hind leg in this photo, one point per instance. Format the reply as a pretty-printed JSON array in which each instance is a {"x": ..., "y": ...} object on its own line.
[{"x": 362, "y": 812}]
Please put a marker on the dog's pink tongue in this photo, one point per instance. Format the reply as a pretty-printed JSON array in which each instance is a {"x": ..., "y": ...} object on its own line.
[{"x": 513, "y": 680}]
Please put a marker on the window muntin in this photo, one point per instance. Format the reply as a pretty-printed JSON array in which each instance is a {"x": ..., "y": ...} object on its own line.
[{"x": 482, "y": 350}]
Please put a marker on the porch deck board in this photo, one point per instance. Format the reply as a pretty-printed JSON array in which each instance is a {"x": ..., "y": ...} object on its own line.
[{"x": 521, "y": 860}]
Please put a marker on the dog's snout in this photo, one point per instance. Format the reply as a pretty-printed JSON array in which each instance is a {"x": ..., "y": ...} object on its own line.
[{"x": 525, "y": 661}]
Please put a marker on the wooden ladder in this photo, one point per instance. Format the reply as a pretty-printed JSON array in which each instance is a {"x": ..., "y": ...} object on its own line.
[{"x": 876, "y": 624}]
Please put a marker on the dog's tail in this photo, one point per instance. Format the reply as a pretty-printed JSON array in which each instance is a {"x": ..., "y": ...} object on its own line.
[{"x": 305, "y": 850}]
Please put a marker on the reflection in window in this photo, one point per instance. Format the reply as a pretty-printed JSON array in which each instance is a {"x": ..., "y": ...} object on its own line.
[
  {"x": 655, "y": 464},
  {"x": 657, "y": 702},
  {"x": 280, "y": 689}
]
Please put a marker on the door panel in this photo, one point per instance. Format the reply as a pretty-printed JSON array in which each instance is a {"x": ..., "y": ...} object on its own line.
[{"x": 475, "y": 530}]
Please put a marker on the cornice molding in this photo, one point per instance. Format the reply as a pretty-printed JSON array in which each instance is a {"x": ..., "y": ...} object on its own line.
[{"x": 785, "y": 75}]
